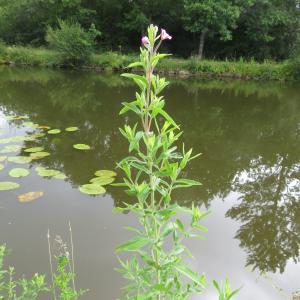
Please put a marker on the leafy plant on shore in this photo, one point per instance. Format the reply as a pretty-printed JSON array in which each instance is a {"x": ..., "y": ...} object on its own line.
[
  {"x": 22, "y": 289},
  {"x": 72, "y": 42},
  {"x": 154, "y": 169}
]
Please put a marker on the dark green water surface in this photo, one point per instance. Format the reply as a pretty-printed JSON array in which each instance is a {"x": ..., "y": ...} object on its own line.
[{"x": 249, "y": 137}]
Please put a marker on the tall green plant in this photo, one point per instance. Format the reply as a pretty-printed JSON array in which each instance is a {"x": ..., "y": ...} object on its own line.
[{"x": 154, "y": 169}]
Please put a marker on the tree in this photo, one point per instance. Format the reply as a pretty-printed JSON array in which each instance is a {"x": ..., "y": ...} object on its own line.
[{"x": 210, "y": 17}]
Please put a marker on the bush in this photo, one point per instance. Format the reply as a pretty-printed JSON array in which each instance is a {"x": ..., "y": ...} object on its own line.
[{"x": 74, "y": 44}]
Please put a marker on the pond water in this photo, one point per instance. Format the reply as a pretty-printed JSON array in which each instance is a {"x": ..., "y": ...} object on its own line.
[{"x": 249, "y": 137}]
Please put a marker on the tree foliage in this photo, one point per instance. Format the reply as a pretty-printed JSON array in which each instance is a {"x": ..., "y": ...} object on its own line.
[{"x": 250, "y": 28}]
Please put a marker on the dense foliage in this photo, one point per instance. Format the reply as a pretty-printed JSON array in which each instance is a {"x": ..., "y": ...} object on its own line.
[
  {"x": 72, "y": 42},
  {"x": 261, "y": 29}
]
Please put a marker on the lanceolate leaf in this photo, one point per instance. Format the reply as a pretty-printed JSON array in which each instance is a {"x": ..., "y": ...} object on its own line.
[
  {"x": 192, "y": 275},
  {"x": 134, "y": 244}
]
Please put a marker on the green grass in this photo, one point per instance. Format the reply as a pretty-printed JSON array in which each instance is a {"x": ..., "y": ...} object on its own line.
[{"x": 113, "y": 61}]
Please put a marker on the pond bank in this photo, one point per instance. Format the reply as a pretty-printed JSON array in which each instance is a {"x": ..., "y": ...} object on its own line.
[{"x": 113, "y": 61}]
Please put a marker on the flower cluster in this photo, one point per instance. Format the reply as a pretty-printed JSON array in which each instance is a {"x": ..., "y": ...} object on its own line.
[{"x": 163, "y": 36}]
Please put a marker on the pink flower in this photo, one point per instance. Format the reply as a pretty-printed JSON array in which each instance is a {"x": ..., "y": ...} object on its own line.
[
  {"x": 145, "y": 41},
  {"x": 164, "y": 35}
]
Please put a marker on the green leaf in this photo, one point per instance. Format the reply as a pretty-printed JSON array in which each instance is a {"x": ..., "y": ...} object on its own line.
[
  {"x": 133, "y": 244},
  {"x": 34, "y": 149},
  {"x": 71, "y": 129},
  {"x": 3, "y": 158},
  {"x": 141, "y": 81},
  {"x": 54, "y": 131},
  {"x": 135, "y": 64},
  {"x": 18, "y": 172},
  {"x": 11, "y": 148},
  {"x": 60, "y": 176},
  {"x": 105, "y": 173},
  {"x": 7, "y": 185},
  {"x": 92, "y": 189},
  {"x": 19, "y": 159},
  {"x": 103, "y": 180},
  {"x": 181, "y": 183},
  {"x": 82, "y": 147},
  {"x": 194, "y": 276},
  {"x": 1, "y": 167},
  {"x": 46, "y": 172},
  {"x": 38, "y": 155}
]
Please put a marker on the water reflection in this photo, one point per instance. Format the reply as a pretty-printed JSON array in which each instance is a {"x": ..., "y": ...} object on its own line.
[{"x": 248, "y": 133}]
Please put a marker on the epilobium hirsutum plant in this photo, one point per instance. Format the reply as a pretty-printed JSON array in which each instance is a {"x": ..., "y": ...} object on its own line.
[{"x": 156, "y": 270}]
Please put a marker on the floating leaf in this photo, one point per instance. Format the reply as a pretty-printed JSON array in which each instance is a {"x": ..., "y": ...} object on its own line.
[
  {"x": 34, "y": 149},
  {"x": 70, "y": 129},
  {"x": 44, "y": 127},
  {"x": 81, "y": 147},
  {"x": 54, "y": 131},
  {"x": 103, "y": 180},
  {"x": 7, "y": 185},
  {"x": 37, "y": 135},
  {"x": 3, "y": 158},
  {"x": 1, "y": 167},
  {"x": 18, "y": 172},
  {"x": 46, "y": 172},
  {"x": 38, "y": 155},
  {"x": 31, "y": 124},
  {"x": 60, "y": 176},
  {"x": 16, "y": 117},
  {"x": 30, "y": 196},
  {"x": 11, "y": 148},
  {"x": 18, "y": 138},
  {"x": 105, "y": 173},
  {"x": 30, "y": 138},
  {"x": 92, "y": 189},
  {"x": 20, "y": 159}
]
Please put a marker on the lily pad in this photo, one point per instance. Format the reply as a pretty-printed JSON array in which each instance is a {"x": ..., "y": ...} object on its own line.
[
  {"x": 92, "y": 189},
  {"x": 34, "y": 149},
  {"x": 18, "y": 172},
  {"x": 7, "y": 185},
  {"x": 3, "y": 158},
  {"x": 54, "y": 131},
  {"x": 16, "y": 117},
  {"x": 38, "y": 155},
  {"x": 44, "y": 127},
  {"x": 11, "y": 148},
  {"x": 70, "y": 129},
  {"x": 17, "y": 138},
  {"x": 105, "y": 173},
  {"x": 30, "y": 196},
  {"x": 1, "y": 167},
  {"x": 102, "y": 180},
  {"x": 20, "y": 159},
  {"x": 39, "y": 135},
  {"x": 82, "y": 147},
  {"x": 60, "y": 176},
  {"x": 31, "y": 124},
  {"x": 46, "y": 172}
]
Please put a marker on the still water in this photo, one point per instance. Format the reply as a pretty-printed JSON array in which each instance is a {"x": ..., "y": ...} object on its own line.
[{"x": 249, "y": 137}]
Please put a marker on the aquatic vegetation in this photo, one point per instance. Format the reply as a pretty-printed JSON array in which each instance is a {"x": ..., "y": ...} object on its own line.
[
  {"x": 18, "y": 172},
  {"x": 8, "y": 185},
  {"x": 81, "y": 147},
  {"x": 34, "y": 149},
  {"x": 54, "y": 131},
  {"x": 92, "y": 189},
  {"x": 156, "y": 268},
  {"x": 41, "y": 171},
  {"x": 71, "y": 129},
  {"x": 105, "y": 173},
  {"x": 20, "y": 159}
]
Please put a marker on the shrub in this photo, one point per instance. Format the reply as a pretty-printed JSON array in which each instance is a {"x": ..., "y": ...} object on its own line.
[{"x": 74, "y": 44}]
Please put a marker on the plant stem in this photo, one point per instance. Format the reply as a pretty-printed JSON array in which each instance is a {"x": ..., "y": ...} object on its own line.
[{"x": 51, "y": 266}]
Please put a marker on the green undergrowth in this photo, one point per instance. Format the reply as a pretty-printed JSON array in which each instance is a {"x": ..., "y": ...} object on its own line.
[{"x": 114, "y": 61}]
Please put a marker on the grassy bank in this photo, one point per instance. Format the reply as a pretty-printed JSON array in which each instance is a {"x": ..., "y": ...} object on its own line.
[{"x": 114, "y": 61}]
